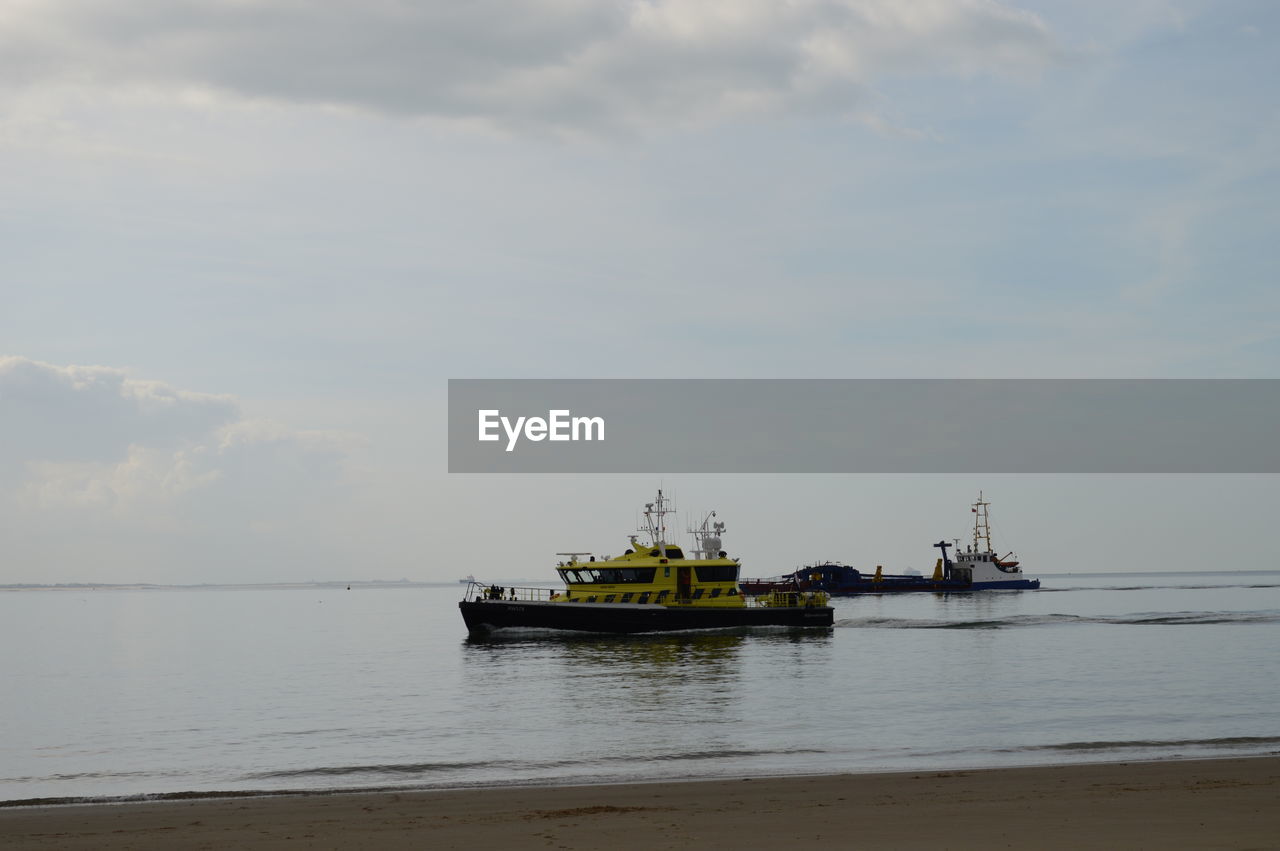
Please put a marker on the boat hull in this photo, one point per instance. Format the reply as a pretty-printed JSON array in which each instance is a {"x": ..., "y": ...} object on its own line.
[
  {"x": 1016, "y": 584},
  {"x": 889, "y": 585},
  {"x": 841, "y": 580},
  {"x": 483, "y": 616}
]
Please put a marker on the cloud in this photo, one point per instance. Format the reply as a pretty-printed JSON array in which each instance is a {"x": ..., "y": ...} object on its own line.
[
  {"x": 101, "y": 469},
  {"x": 561, "y": 65},
  {"x": 95, "y": 413}
]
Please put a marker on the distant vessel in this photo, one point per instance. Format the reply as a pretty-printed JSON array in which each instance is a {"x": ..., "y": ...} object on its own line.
[
  {"x": 470, "y": 577},
  {"x": 977, "y": 568},
  {"x": 650, "y": 588},
  {"x": 979, "y": 565}
]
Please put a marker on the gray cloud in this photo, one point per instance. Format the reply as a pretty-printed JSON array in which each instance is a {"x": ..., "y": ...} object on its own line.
[
  {"x": 92, "y": 460},
  {"x": 563, "y": 65},
  {"x": 95, "y": 413}
]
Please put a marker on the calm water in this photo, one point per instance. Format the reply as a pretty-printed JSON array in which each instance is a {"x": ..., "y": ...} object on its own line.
[{"x": 122, "y": 693}]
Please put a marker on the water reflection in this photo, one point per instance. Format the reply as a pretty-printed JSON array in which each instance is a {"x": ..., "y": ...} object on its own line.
[
  {"x": 673, "y": 696},
  {"x": 590, "y": 707}
]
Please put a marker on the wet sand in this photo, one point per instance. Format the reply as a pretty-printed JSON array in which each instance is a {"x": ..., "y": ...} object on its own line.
[{"x": 1232, "y": 803}]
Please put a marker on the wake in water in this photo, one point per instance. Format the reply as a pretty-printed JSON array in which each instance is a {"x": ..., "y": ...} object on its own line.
[
  {"x": 1106, "y": 750},
  {"x": 1247, "y": 742},
  {"x": 425, "y": 769},
  {"x": 1012, "y": 621},
  {"x": 1075, "y": 588}
]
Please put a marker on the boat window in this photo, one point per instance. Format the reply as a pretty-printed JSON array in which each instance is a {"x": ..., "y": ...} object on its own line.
[
  {"x": 643, "y": 598},
  {"x": 715, "y": 592},
  {"x": 615, "y": 575},
  {"x": 697, "y": 595},
  {"x": 609, "y": 575},
  {"x": 626, "y": 598},
  {"x": 610, "y": 598},
  {"x": 717, "y": 572}
]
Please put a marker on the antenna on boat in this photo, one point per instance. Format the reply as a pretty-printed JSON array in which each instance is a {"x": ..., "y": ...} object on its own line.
[
  {"x": 654, "y": 522},
  {"x": 981, "y": 526},
  {"x": 707, "y": 538}
]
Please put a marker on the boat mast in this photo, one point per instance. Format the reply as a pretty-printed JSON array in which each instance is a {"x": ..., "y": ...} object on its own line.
[
  {"x": 654, "y": 523},
  {"x": 981, "y": 526}
]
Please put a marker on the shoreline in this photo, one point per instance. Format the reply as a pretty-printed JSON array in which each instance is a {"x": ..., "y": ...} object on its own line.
[
  {"x": 1182, "y": 803},
  {"x": 568, "y": 783}
]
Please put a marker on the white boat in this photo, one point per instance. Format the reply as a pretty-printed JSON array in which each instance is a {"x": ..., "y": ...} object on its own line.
[{"x": 978, "y": 563}]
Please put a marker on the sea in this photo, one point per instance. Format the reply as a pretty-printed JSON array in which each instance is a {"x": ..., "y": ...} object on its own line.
[{"x": 144, "y": 693}]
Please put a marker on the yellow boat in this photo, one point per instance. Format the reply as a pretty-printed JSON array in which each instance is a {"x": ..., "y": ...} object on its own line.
[{"x": 651, "y": 587}]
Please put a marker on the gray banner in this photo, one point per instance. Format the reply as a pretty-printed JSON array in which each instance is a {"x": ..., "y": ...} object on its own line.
[{"x": 863, "y": 426}]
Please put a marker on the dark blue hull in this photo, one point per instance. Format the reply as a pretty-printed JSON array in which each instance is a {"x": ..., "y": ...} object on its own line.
[{"x": 843, "y": 581}]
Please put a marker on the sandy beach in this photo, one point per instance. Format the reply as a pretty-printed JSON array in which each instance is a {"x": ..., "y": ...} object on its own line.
[{"x": 1233, "y": 803}]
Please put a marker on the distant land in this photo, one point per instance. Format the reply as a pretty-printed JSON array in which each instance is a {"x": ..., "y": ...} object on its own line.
[
  {"x": 336, "y": 583},
  {"x": 151, "y": 586}
]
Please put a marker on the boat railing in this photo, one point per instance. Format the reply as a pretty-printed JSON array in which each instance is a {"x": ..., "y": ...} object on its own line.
[
  {"x": 792, "y": 599},
  {"x": 513, "y": 593}
]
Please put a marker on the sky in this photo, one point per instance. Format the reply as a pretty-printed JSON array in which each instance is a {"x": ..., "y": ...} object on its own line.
[{"x": 245, "y": 243}]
